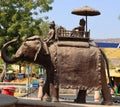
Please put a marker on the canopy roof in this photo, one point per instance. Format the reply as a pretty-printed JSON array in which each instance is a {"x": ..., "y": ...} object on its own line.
[{"x": 86, "y": 11}]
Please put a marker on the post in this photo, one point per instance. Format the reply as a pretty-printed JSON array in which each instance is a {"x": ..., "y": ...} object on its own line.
[{"x": 40, "y": 91}]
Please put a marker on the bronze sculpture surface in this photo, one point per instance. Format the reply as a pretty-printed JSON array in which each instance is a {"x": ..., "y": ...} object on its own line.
[{"x": 70, "y": 64}]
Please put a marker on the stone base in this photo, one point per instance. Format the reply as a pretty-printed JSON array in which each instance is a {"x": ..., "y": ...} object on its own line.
[{"x": 7, "y": 101}]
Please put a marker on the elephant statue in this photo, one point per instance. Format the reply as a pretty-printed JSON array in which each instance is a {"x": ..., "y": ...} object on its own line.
[{"x": 69, "y": 64}]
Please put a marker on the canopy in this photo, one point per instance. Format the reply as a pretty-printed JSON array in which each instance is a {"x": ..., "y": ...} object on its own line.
[{"x": 85, "y": 11}]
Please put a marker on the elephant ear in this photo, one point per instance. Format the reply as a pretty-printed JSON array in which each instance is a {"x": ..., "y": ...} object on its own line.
[
  {"x": 36, "y": 37},
  {"x": 38, "y": 40}
]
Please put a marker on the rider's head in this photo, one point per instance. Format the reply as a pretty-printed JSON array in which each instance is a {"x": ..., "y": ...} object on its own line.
[
  {"x": 52, "y": 24},
  {"x": 82, "y": 22}
]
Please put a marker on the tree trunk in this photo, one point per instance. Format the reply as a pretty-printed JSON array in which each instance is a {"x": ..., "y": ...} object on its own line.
[{"x": 3, "y": 72}]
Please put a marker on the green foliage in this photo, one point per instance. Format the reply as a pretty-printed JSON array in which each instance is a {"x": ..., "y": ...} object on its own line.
[
  {"x": 1, "y": 64},
  {"x": 22, "y": 17},
  {"x": 44, "y": 29},
  {"x": 119, "y": 17}
]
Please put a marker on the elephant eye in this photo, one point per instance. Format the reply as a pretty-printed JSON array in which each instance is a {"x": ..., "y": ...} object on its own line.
[{"x": 25, "y": 43}]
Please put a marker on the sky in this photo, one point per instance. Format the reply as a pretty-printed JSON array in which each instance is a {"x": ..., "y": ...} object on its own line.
[{"x": 106, "y": 25}]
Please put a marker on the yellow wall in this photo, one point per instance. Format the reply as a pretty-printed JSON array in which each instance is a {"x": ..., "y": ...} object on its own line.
[{"x": 112, "y": 52}]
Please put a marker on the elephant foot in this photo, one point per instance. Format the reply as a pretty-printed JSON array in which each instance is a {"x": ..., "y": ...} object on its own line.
[
  {"x": 46, "y": 99},
  {"x": 54, "y": 99},
  {"x": 107, "y": 103},
  {"x": 79, "y": 101},
  {"x": 40, "y": 99}
]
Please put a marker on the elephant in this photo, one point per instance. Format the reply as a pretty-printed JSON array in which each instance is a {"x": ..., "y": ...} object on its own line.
[{"x": 71, "y": 63}]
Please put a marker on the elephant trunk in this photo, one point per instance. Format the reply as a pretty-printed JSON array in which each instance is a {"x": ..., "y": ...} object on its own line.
[{"x": 3, "y": 52}]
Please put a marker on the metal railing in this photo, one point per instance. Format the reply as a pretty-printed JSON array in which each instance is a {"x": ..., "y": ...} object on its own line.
[{"x": 74, "y": 33}]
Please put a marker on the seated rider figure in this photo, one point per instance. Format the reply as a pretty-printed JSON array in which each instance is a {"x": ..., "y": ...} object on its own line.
[
  {"x": 51, "y": 37},
  {"x": 79, "y": 31},
  {"x": 51, "y": 33}
]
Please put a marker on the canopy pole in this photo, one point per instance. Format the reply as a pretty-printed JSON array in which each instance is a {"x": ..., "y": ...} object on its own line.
[{"x": 86, "y": 23}]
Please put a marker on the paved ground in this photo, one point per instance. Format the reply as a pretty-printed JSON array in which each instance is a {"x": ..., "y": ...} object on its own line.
[
  {"x": 64, "y": 103},
  {"x": 93, "y": 105},
  {"x": 69, "y": 100},
  {"x": 6, "y": 100},
  {"x": 89, "y": 103}
]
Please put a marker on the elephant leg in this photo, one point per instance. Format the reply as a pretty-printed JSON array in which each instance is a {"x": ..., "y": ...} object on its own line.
[
  {"x": 46, "y": 95},
  {"x": 81, "y": 96},
  {"x": 107, "y": 98},
  {"x": 54, "y": 93}
]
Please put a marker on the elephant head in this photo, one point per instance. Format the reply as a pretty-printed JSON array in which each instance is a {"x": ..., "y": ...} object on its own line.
[
  {"x": 28, "y": 51},
  {"x": 31, "y": 50}
]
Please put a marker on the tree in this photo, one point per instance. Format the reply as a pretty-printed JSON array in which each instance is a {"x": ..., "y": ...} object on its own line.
[
  {"x": 44, "y": 29},
  {"x": 119, "y": 17},
  {"x": 22, "y": 18},
  {"x": 18, "y": 17}
]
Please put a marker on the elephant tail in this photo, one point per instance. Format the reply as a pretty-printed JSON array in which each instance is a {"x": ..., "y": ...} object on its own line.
[{"x": 107, "y": 66}]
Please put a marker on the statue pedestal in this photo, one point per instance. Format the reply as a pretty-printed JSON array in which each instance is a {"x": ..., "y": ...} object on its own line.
[{"x": 7, "y": 101}]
